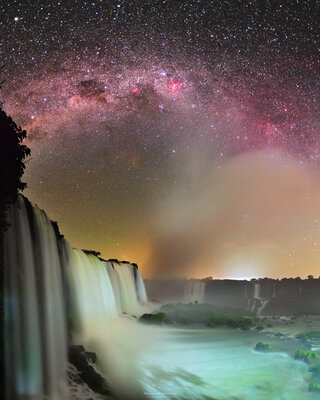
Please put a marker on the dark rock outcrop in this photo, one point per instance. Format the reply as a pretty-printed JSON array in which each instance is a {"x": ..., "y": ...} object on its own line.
[
  {"x": 83, "y": 361},
  {"x": 264, "y": 347},
  {"x": 153, "y": 318}
]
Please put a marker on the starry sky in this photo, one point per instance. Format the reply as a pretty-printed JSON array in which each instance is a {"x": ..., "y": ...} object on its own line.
[{"x": 181, "y": 135}]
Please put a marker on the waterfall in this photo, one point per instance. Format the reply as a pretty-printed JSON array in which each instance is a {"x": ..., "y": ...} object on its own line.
[
  {"x": 35, "y": 318},
  {"x": 262, "y": 306},
  {"x": 141, "y": 289},
  {"x": 101, "y": 293},
  {"x": 126, "y": 287},
  {"x": 194, "y": 291},
  {"x": 102, "y": 290},
  {"x": 46, "y": 280},
  {"x": 256, "y": 303},
  {"x": 274, "y": 290},
  {"x": 256, "y": 293},
  {"x": 92, "y": 294}
]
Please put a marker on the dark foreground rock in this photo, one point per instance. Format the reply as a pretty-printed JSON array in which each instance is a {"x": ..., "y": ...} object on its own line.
[
  {"x": 84, "y": 362},
  {"x": 80, "y": 390},
  {"x": 264, "y": 347}
]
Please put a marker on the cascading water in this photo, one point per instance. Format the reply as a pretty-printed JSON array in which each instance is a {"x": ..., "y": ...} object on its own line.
[
  {"x": 38, "y": 270},
  {"x": 93, "y": 299},
  {"x": 255, "y": 303},
  {"x": 101, "y": 292},
  {"x": 35, "y": 318},
  {"x": 194, "y": 291},
  {"x": 274, "y": 291},
  {"x": 141, "y": 290},
  {"x": 256, "y": 293},
  {"x": 130, "y": 293}
]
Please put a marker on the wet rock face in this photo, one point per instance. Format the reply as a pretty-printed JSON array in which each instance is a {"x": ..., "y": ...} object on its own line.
[
  {"x": 78, "y": 390},
  {"x": 83, "y": 361},
  {"x": 263, "y": 296}
]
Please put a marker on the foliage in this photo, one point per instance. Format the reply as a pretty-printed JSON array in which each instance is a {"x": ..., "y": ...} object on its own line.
[
  {"x": 314, "y": 387},
  {"x": 264, "y": 347},
  {"x": 310, "y": 357},
  {"x": 312, "y": 335},
  {"x": 12, "y": 164},
  {"x": 207, "y": 315},
  {"x": 259, "y": 328},
  {"x": 93, "y": 252},
  {"x": 153, "y": 318}
]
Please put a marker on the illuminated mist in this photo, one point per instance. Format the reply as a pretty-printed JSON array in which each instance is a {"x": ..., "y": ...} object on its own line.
[{"x": 255, "y": 215}]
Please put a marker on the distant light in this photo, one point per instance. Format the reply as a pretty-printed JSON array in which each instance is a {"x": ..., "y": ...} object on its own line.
[
  {"x": 174, "y": 86},
  {"x": 16, "y": 19},
  {"x": 173, "y": 151},
  {"x": 134, "y": 90}
]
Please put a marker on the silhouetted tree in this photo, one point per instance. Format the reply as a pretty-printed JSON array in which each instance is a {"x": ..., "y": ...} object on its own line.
[
  {"x": 310, "y": 276},
  {"x": 12, "y": 164}
]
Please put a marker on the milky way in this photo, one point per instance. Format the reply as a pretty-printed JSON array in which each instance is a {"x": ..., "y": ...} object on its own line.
[{"x": 135, "y": 109}]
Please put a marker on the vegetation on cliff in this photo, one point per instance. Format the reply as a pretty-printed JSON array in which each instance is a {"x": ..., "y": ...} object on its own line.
[
  {"x": 201, "y": 314},
  {"x": 310, "y": 357},
  {"x": 12, "y": 164}
]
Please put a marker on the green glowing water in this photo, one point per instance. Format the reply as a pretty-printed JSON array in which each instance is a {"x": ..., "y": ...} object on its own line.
[{"x": 221, "y": 364}]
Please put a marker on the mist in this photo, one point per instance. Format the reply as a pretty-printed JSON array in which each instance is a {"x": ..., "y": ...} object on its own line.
[{"x": 254, "y": 214}]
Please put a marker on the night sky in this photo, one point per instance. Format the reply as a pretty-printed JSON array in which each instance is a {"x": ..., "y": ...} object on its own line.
[{"x": 181, "y": 135}]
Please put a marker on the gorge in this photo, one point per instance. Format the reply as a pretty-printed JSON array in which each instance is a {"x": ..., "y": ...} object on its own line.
[
  {"x": 71, "y": 329},
  {"x": 54, "y": 296}
]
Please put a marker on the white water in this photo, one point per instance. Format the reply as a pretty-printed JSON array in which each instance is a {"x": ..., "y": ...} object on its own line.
[
  {"x": 257, "y": 304},
  {"x": 194, "y": 291},
  {"x": 35, "y": 308},
  {"x": 125, "y": 285},
  {"x": 141, "y": 290},
  {"x": 93, "y": 299},
  {"x": 35, "y": 326},
  {"x": 101, "y": 291},
  {"x": 103, "y": 294},
  {"x": 262, "y": 306},
  {"x": 256, "y": 293}
]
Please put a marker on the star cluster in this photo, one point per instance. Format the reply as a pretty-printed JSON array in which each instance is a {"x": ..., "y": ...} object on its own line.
[{"x": 122, "y": 101}]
